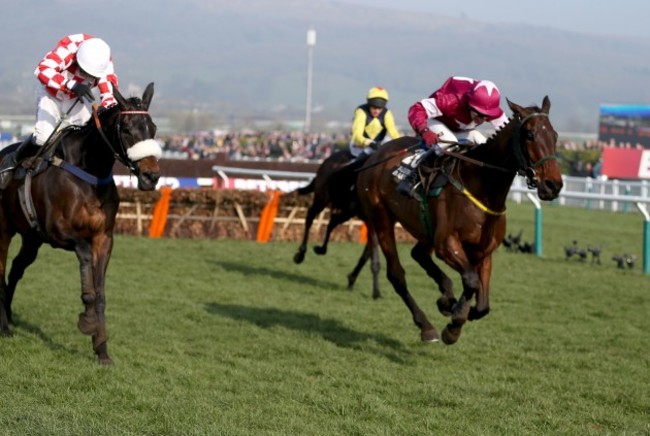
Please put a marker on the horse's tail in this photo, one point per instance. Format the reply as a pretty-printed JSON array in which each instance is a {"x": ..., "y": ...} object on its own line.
[{"x": 307, "y": 189}]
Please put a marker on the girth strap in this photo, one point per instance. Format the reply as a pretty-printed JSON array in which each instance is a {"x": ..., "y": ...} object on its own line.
[
  {"x": 83, "y": 175},
  {"x": 27, "y": 204}
]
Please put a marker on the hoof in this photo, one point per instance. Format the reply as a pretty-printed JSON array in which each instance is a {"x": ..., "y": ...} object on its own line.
[
  {"x": 6, "y": 333},
  {"x": 450, "y": 334},
  {"x": 474, "y": 314},
  {"x": 429, "y": 336},
  {"x": 376, "y": 295},
  {"x": 105, "y": 361},
  {"x": 87, "y": 324},
  {"x": 299, "y": 257},
  {"x": 445, "y": 305},
  {"x": 320, "y": 250},
  {"x": 351, "y": 280}
]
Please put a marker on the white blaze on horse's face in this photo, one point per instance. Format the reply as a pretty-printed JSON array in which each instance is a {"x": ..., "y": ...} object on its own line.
[{"x": 142, "y": 149}]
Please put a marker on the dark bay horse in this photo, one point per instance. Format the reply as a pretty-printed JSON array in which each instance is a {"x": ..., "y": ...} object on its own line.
[
  {"x": 74, "y": 202},
  {"x": 343, "y": 206},
  {"x": 466, "y": 222}
]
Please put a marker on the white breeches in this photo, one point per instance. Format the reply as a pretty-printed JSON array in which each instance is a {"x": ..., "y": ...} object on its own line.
[
  {"x": 473, "y": 136},
  {"x": 49, "y": 112}
]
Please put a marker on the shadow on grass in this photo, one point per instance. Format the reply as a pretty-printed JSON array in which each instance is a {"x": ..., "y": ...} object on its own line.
[
  {"x": 276, "y": 274},
  {"x": 40, "y": 334},
  {"x": 329, "y": 329}
]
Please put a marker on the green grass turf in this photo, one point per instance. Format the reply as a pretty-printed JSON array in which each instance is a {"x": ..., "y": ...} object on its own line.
[{"x": 230, "y": 337}]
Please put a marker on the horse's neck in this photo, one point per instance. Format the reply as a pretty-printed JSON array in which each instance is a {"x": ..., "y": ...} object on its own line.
[
  {"x": 88, "y": 152},
  {"x": 497, "y": 151}
]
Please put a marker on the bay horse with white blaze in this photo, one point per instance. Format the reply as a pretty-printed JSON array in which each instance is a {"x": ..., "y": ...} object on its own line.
[
  {"x": 72, "y": 204},
  {"x": 466, "y": 222}
]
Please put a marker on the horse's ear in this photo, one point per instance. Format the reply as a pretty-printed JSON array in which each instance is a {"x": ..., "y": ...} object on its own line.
[
  {"x": 515, "y": 108},
  {"x": 148, "y": 94},
  {"x": 119, "y": 97},
  {"x": 546, "y": 104}
]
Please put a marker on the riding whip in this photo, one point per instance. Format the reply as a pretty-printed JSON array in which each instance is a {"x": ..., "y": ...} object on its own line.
[{"x": 46, "y": 145}]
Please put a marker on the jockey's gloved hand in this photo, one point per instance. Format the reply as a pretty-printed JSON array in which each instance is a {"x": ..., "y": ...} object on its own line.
[
  {"x": 429, "y": 137},
  {"x": 373, "y": 145},
  {"x": 83, "y": 91}
]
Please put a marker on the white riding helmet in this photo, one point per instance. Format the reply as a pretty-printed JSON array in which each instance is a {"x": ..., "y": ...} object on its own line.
[{"x": 94, "y": 56}]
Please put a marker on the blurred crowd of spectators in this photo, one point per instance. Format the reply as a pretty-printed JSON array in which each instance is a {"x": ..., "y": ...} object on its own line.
[{"x": 293, "y": 146}]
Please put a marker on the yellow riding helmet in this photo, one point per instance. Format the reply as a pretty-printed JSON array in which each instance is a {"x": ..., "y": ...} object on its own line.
[{"x": 377, "y": 96}]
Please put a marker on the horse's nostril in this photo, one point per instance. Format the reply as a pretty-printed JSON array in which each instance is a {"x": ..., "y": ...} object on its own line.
[{"x": 553, "y": 185}]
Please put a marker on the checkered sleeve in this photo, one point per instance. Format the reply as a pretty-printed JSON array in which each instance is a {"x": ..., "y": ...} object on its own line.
[
  {"x": 50, "y": 70},
  {"x": 106, "y": 84}
]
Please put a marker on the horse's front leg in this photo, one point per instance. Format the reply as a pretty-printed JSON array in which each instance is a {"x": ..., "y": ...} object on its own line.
[
  {"x": 102, "y": 249},
  {"x": 421, "y": 253},
  {"x": 453, "y": 254},
  {"x": 365, "y": 255},
  {"x": 336, "y": 218},
  {"x": 482, "y": 307},
  {"x": 375, "y": 266},
  {"x": 313, "y": 210},
  {"x": 370, "y": 251},
  {"x": 92, "y": 266}
]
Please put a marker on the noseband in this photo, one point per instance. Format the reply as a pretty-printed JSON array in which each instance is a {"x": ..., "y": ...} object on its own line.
[{"x": 525, "y": 166}]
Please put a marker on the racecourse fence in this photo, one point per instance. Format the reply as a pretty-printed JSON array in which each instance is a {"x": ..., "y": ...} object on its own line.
[{"x": 225, "y": 211}]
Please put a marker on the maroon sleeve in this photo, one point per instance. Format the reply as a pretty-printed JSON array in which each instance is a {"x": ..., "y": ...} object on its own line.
[{"x": 418, "y": 117}]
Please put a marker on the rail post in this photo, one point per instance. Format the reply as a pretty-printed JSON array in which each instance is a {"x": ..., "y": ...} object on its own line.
[
  {"x": 538, "y": 223},
  {"x": 646, "y": 236}
]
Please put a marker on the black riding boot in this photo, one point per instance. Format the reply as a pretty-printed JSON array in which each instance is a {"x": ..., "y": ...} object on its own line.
[
  {"x": 26, "y": 149},
  {"x": 12, "y": 160},
  {"x": 407, "y": 185}
]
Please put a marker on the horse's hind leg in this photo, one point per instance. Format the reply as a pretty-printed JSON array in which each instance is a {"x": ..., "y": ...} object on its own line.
[
  {"x": 397, "y": 277},
  {"x": 422, "y": 255},
  {"x": 25, "y": 257},
  {"x": 316, "y": 208},
  {"x": 5, "y": 308}
]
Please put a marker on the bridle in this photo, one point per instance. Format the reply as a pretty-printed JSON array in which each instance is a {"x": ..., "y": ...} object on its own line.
[
  {"x": 525, "y": 166},
  {"x": 120, "y": 154}
]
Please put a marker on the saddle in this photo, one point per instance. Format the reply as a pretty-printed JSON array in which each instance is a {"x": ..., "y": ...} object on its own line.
[
  {"x": 27, "y": 157},
  {"x": 432, "y": 172},
  {"x": 434, "y": 176}
]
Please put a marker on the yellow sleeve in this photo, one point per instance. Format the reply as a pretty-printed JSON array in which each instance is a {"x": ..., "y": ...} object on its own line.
[
  {"x": 389, "y": 122},
  {"x": 358, "y": 127}
]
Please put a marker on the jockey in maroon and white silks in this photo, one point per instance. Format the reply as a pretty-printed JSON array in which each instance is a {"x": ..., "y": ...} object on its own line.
[
  {"x": 454, "y": 111},
  {"x": 77, "y": 64},
  {"x": 450, "y": 115}
]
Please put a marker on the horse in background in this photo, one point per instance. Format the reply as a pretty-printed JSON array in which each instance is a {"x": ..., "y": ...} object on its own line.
[
  {"x": 466, "y": 221},
  {"x": 71, "y": 203},
  {"x": 342, "y": 202}
]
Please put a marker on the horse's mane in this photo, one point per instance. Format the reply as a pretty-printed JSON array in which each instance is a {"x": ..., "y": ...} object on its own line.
[
  {"x": 501, "y": 134},
  {"x": 107, "y": 113}
]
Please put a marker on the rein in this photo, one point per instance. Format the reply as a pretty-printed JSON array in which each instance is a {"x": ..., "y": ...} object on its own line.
[
  {"x": 526, "y": 167},
  {"x": 121, "y": 156}
]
